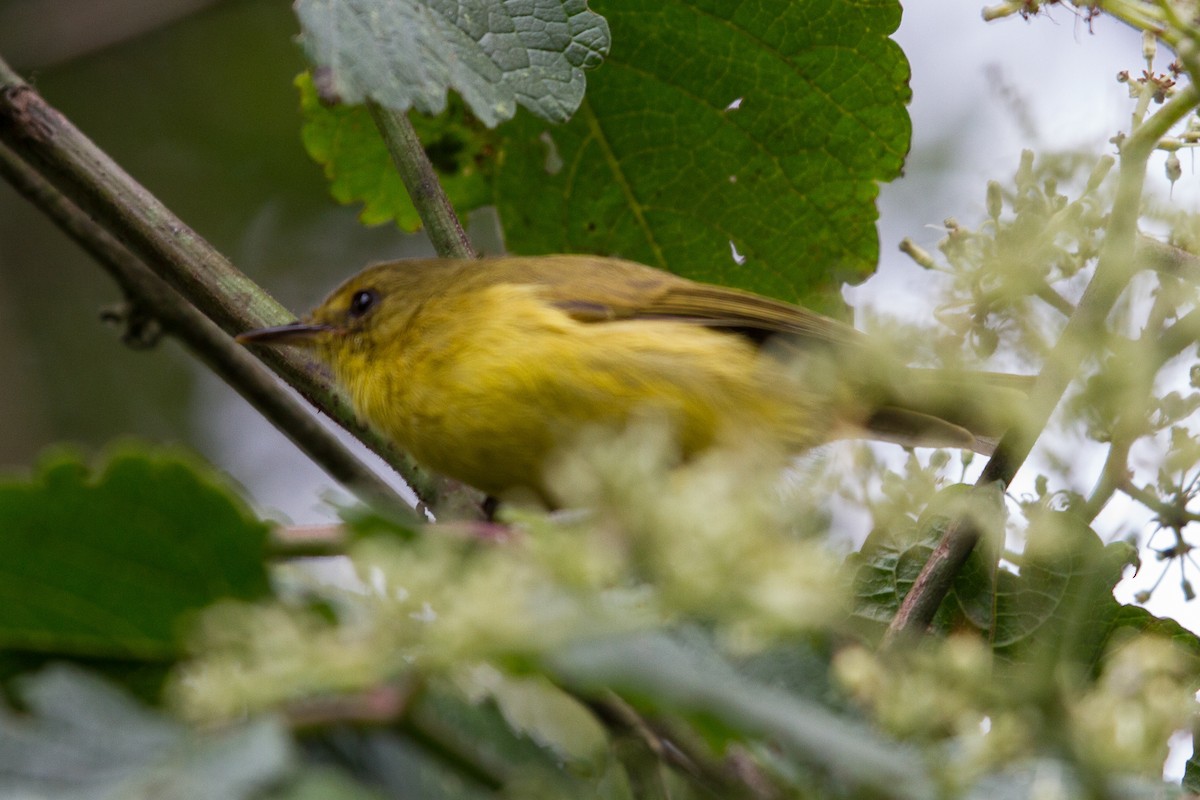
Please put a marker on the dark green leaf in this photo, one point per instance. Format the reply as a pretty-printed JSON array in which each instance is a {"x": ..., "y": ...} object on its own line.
[
  {"x": 1137, "y": 619},
  {"x": 799, "y": 667},
  {"x": 83, "y": 739},
  {"x": 109, "y": 564},
  {"x": 658, "y": 167},
  {"x": 479, "y": 729},
  {"x": 1191, "y": 770},
  {"x": 345, "y": 142},
  {"x": 406, "y": 53},
  {"x": 890, "y": 561},
  {"x": 884, "y": 571},
  {"x": 1063, "y": 595}
]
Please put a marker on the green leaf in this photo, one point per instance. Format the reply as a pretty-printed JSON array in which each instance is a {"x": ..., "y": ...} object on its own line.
[
  {"x": 346, "y": 143},
  {"x": 884, "y": 571},
  {"x": 1063, "y": 595},
  {"x": 109, "y": 564},
  {"x": 658, "y": 167},
  {"x": 480, "y": 730},
  {"x": 671, "y": 679},
  {"x": 406, "y": 53},
  {"x": 83, "y": 739},
  {"x": 890, "y": 561},
  {"x": 1130, "y": 618},
  {"x": 1191, "y": 770}
]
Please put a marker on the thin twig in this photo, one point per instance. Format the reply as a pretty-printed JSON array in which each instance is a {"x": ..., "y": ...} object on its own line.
[
  {"x": 382, "y": 704},
  {"x": 58, "y": 151},
  {"x": 445, "y": 231},
  {"x": 1183, "y": 333},
  {"x": 1115, "y": 470},
  {"x": 206, "y": 341},
  {"x": 713, "y": 778},
  {"x": 1170, "y": 515},
  {"x": 1168, "y": 259},
  {"x": 1048, "y": 295},
  {"x": 1131, "y": 422}
]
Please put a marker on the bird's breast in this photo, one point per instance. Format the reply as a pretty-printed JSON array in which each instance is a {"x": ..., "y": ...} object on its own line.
[{"x": 489, "y": 396}]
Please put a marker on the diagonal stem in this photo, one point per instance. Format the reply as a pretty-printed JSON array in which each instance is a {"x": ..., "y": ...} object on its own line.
[
  {"x": 441, "y": 223},
  {"x": 57, "y": 151},
  {"x": 205, "y": 340}
]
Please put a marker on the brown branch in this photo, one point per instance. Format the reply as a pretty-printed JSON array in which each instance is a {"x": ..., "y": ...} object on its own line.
[
  {"x": 204, "y": 339},
  {"x": 50, "y": 145}
]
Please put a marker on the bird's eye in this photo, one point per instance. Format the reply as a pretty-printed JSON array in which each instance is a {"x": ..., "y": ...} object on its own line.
[{"x": 362, "y": 302}]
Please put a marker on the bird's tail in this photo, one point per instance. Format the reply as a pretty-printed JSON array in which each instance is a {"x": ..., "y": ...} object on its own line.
[{"x": 935, "y": 408}]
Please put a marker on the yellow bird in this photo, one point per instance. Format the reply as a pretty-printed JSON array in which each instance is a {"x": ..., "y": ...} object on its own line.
[{"x": 484, "y": 370}]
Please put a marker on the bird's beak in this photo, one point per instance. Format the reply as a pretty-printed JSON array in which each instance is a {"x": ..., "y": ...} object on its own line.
[{"x": 302, "y": 334}]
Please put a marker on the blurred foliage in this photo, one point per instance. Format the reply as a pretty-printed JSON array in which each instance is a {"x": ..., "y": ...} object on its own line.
[
  {"x": 692, "y": 630},
  {"x": 118, "y": 749}
]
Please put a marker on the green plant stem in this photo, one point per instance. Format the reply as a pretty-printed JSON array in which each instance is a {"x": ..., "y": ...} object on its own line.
[
  {"x": 441, "y": 223},
  {"x": 1113, "y": 271},
  {"x": 1174, "y": 516},
  {"x": 47, "y": 142},
  {"x": 1182, "y": 333},
  {"x": 1142, "y": 16},
  {"x": 1164, "y": 342},
  {"x": 204, "y": 339},
  {"x": 1168, "y": 260},
  {"x": 713, "y": 778},
  {"x": 424, "y": 722}
]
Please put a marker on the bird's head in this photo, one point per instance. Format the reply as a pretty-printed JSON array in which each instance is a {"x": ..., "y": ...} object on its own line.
[{"x": 366, "y": 314}]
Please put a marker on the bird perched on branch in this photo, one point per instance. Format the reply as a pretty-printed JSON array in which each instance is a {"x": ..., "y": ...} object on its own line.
[{"x": 484, "y": 370}]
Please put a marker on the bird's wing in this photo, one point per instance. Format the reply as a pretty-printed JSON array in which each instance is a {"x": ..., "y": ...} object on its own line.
[
  {"x": 723, "y": 307},
  {"x": 602, "y": 290},
  {"x": 929, "y": 406}
]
